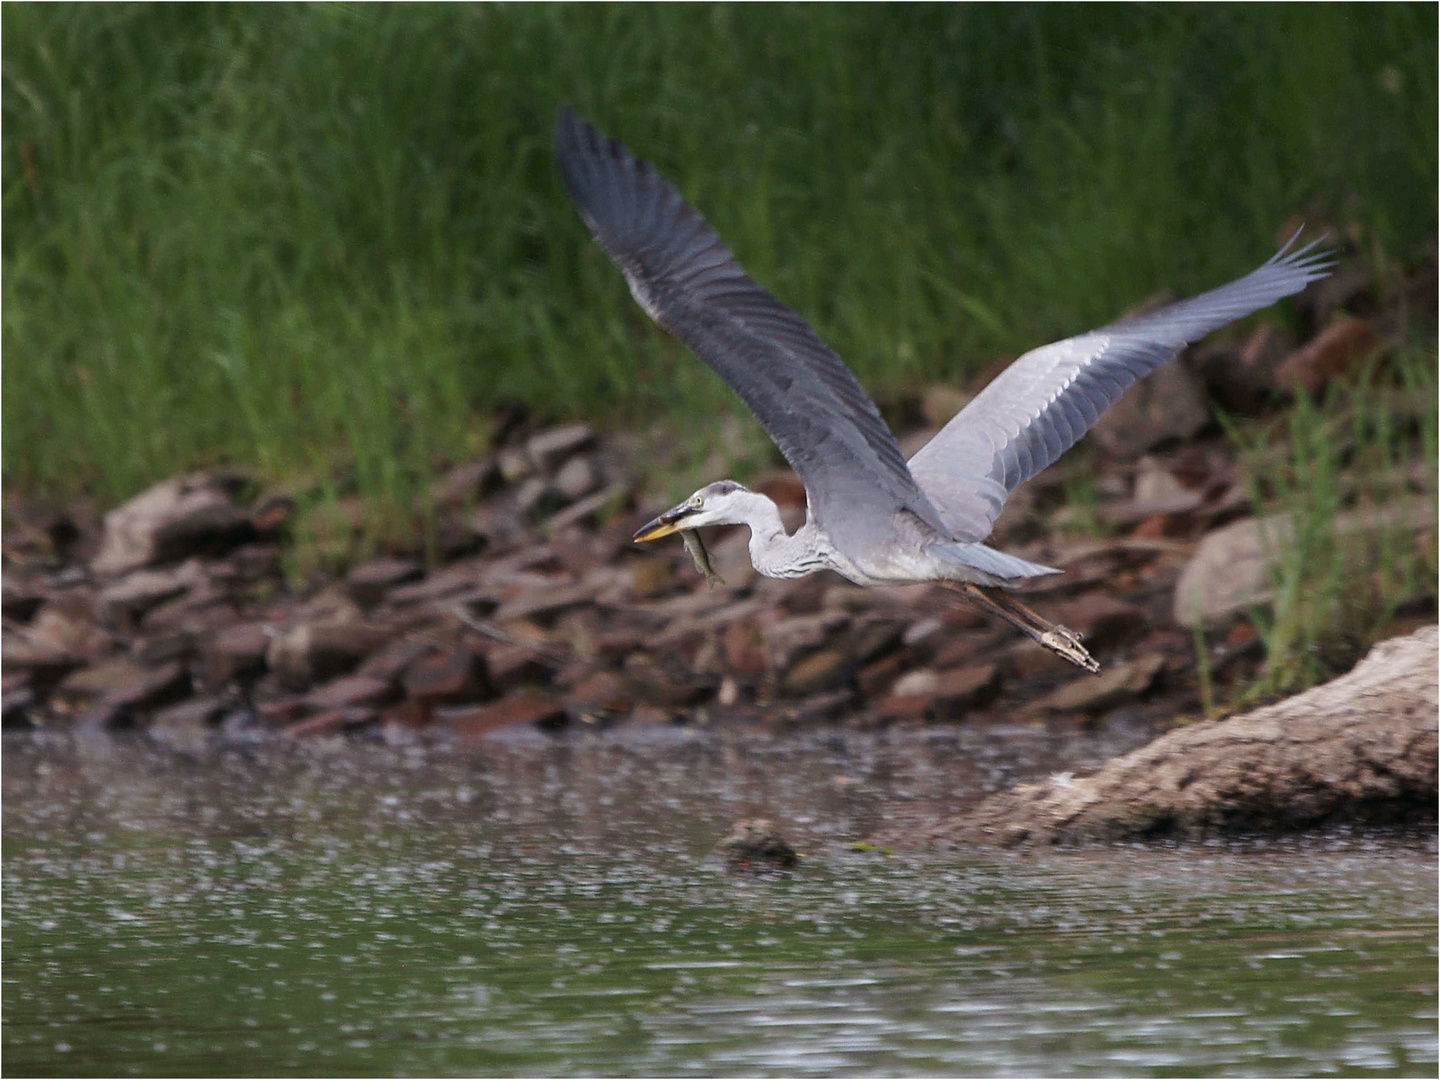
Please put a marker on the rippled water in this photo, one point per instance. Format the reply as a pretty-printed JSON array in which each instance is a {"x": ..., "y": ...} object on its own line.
[{"x": 551, "y": 909}]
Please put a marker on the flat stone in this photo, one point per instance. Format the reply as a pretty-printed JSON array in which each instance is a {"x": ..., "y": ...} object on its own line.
[
  {"x": 1230, "y": 570},
  {"x": 513, "y": 666},
  {"x": 187, "y": 515},
  {"x": 1168, "y": 404},
  {"x": 1334, "y": 351},
  {"x": 522, "y": 707},
  {"x": 659, "y": 684},
  {"x": 448, "y": 676},
  {"x": 600, "y": 690},
  {"x": 1103, "y": 621},
  {"x": 818, "y": 671},
  {"x": 237, "y": 652},
  {"x": 959, "y": 689},
  {"x": 369, "y": 583},
  {"x": 391, "y": 661},
  {"x": 879, "y": 676},
  {"x": 514, "y": 464},
  {"x": 317, "y": 652},
  {"x": 349, "y": 692},
  {"x": 1241, "y": 376},
  {"x": 549, "y": 448},
  {"x": 786, "y": 638},
  {"x": 138, "y": 592},
  {"x": 105, "y": 678},
  {"x": 467, "y": 482},
  {"x": 1117, "y": 684},
  {"x": 610, "y": 499},
  {"x": 544, "y": 601},
  {"x": 576, "y": 478}
]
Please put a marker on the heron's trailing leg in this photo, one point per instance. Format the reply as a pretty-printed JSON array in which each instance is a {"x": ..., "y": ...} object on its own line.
[{"x": 1058, "y": 639}]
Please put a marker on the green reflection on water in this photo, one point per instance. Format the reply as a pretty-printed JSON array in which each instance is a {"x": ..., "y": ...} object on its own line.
[{"x": 357, "y": 949}]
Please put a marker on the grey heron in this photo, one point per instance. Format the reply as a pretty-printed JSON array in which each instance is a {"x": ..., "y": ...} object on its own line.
[{"x": 873, "y": 517}]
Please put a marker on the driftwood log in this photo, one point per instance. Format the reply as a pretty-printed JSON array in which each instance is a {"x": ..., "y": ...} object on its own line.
[{"x": 1361, "y": 748}]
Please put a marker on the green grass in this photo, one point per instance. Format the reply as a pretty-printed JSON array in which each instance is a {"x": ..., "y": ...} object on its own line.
[
  {"x": 328, "y": 240},
  {"x": 1366, "y": 451}
]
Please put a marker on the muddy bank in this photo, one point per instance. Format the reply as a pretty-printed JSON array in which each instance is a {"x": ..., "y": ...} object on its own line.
[{"x": 1361, "y": 748}]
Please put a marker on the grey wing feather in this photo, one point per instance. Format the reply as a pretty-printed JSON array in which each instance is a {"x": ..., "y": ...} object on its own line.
[
  {"x": 1040, "y": 405},
  {"x": 804, "y": 396}
]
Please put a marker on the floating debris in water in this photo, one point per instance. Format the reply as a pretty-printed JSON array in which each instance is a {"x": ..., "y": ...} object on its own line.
[{"x": 755, "y": 844}]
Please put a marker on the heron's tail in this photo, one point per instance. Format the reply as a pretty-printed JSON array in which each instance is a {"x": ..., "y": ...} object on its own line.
[{"x": 986, "y": 566}]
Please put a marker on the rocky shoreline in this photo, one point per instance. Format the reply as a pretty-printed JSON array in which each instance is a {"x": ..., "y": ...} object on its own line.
[{"x": 171, "y": 615}]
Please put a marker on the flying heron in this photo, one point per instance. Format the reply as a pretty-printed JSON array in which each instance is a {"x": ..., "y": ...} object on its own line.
[{"x": 873, "y": 517}]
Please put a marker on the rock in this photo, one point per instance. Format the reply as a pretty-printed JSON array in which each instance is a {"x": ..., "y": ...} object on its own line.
[
  {"x": 1116, "y": 684},
  {"x": 600, "y": 690},
  {"x": 1241, "y": 376},
  {"x": 20, "y": 600},
  {"x": 741, "y": 647},
  {"x": 876, "y": 678},
  {"x": 818, "y": 671},
  {"x": 1102, "y": 621},
  {"x": 1157, "y": 493},
  {"x": 1359, "y": 748},
  {"x": 237, "y": 652},
  {"x": 451, "y": 675},
  {"x": 905, "y": 707},
  {"x": 756, "y": 845},
  {"x": 127, "y": 599},
  {"x": 513, "y": 666},
  {"x": 522, "y": 707},
  {"x": 662, "y": 683},
  {"x": 391, "y": 661},
  {"x": 1230, "y": 570},
  {"x": 608, "y": 500},
  {"x": 919, "y": 683},
  {"x": 576, "y": 478},
  {"x": 1334, "y": 351},
  {"x": 785, "y": 639},
  {"x": 65, "y": 625},
  {"x": 187, "y": 515},
  {"x": 317, "y": 652},
  {"x": 124, "y": 689},
  {"x": 351, "y": 691},
  {"x": 466, "y": 483},
  {"x": 549, "y": 448},
  {"x": 369, "y": 583},
  {"x": 544, "y": 601},
  {"x": 960, "y": 689},
  {"x": 1167, "y": 404},
  {"x": 514, "y": 465},
  {"x": 43, "y": 665},
  {"x": 537, "y": 498}
]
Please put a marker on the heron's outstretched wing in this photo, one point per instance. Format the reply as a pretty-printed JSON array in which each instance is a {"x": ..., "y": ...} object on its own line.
[
  {"x": 1041, "y": 404},
  {"x": 802, "y": 393}
]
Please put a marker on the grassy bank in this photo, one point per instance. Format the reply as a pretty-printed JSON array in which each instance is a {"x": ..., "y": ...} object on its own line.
[{"x": 329, "y": 240}]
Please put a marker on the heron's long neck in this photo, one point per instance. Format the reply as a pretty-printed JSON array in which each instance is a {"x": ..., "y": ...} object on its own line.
[{"x": 774, "y": 552}]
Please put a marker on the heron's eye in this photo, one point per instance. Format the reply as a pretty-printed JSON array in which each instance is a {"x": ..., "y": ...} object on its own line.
[{"x": 697, "y": 502}]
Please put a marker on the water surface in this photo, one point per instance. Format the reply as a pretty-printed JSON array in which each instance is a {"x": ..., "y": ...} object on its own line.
[{"x": 551, "y": 908}]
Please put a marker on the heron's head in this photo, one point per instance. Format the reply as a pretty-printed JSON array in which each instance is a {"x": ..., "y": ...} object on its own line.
[{"x": 721, "y": 503}]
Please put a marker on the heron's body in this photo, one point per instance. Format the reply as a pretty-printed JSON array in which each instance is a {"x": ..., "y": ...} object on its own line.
[{"x": 873, "y": 517}]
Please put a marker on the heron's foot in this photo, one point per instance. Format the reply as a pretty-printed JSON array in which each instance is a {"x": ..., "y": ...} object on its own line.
[
  {"x": 1063, "y": 641},
  {"x": 1060, "y": 640}
]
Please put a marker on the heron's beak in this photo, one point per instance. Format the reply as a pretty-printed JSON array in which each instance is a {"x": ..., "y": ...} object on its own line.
[{"x": 666, "y": 524}]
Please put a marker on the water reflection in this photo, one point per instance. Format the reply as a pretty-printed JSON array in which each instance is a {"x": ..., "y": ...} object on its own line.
[{"x": 552, "y": 910}]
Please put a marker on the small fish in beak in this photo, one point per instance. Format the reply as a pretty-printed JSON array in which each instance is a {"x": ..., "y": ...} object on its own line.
[{"x": 696, "y": 547}]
